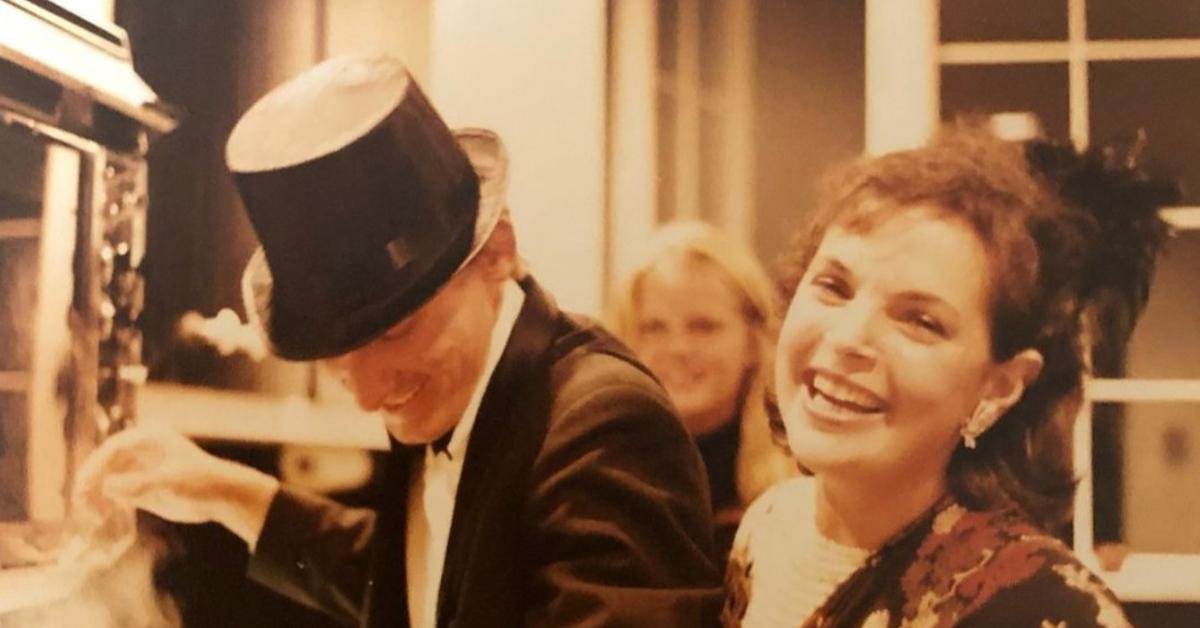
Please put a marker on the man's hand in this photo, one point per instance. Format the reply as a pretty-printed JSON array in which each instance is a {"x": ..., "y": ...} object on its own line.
[{"x": 161, "y": 471}]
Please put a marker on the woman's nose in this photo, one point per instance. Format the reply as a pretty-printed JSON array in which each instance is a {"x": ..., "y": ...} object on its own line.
[
  {"x": 679, "y": 343},
  {"x": 851, "y": 333}
]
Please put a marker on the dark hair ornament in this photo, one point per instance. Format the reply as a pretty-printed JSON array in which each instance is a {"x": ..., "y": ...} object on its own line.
[{"x": 1120, "y": 201}]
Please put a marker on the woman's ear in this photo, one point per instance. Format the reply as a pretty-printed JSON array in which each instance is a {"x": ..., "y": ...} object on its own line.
[
  {"x": 1009, "y": 379},
  {"x": 1002, "y": 389}
]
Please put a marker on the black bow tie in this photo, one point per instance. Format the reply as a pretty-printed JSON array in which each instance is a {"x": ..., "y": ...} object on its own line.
[{"x": 442, "y": 444}]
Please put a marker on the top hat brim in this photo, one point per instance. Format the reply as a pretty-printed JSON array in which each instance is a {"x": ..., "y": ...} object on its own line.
[{"x": 488, "y": 159}]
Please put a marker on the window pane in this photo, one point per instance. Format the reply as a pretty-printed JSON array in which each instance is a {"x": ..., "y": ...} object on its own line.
[
  {"x": 666, "y": 156},
  {"x": 21, "y": 177},
  {"x": 1160, "y": 468},
  {"x": 712, "y": 165},
  {"x": 1159, "y": 97},
  {"x": 668, "y": 26},
  {"x": 1141, "y": 19},
  {"x": 1166, "y": 341},
  {"x": 1038, "y": 88},
  {"x": 1014, "y": 20},
  {"x": 712, "y": 46},
  {"x": 14, "y": 434},
  {"x": 18, "y": 299}
]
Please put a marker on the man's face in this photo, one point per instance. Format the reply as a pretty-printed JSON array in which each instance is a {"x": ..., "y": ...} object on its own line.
[{"x": 420, "y": 374}]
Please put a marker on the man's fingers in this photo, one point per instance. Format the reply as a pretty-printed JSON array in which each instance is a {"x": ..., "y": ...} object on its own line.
[
  {"x": 128, "y": 488},
  {"x": 155, "y": 492},
  {"x": 128, "y": 450}
]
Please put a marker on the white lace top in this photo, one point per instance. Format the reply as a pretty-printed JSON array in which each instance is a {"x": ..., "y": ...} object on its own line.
[{"x": 795, "y": 567}]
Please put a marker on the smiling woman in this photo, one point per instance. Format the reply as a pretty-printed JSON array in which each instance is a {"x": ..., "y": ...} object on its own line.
[
  {"x": 701, "y": 312},
  {"x": 884, "y": 352},
  {"x": 928, "y": 372}
]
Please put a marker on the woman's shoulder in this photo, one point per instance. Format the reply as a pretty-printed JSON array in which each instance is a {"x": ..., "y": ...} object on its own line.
[{"x": 998, "y": 569}]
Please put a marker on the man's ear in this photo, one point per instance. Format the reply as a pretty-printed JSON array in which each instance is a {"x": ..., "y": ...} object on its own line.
[
  {"x": 498, "y": 257},
  {"x": 1009, "y": 379}
]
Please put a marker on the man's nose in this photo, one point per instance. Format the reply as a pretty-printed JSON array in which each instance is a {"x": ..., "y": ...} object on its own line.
[{"x": 365, "y": 379}]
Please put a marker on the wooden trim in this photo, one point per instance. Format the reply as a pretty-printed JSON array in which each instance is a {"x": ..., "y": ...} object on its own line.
[
  {"x": 633, "y": 134},
  {"x": 1079, "y": 106},
  {"x": 1151, "y": 577},
  {"x": 20, "y": 228},
  {"x": 902, "y": 74},
  {"x": 1182, "y": 218},
  {"x": 1143, "y": 390},
  {"x": 14, "y": 381},
  {"x": 211, "y": 414},
  {"x": 1142, "y": 49},
  {"x": 1004, "y": 52},
  {"x": 735, "y": 182},
  {"x": 687, "y": 84},
  {"x": 1010, "y": 52},
  {"x": 1083, "y": 522}
]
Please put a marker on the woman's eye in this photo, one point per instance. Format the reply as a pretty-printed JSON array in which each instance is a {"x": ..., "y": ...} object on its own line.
[
  {"x": 831, "y": 287},
  {"x": 927, "y": 323},
  {"x": 651, "y": 328}
]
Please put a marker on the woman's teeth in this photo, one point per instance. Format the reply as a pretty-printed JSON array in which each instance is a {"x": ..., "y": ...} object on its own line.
[{"x": 833, "y": 397}]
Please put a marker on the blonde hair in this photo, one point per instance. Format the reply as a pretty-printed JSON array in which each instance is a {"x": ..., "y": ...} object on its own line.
[{"x": 760, "y": 461}]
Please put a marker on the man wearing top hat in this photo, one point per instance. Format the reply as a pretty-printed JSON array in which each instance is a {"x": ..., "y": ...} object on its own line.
[{"x": 538, "y": 475}]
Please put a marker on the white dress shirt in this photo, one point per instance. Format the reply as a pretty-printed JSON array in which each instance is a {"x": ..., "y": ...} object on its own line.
[{"x": 434, "y": 482}]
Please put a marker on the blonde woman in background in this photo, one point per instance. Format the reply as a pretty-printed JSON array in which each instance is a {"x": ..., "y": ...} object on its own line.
[{"x": 701, "y": 312}]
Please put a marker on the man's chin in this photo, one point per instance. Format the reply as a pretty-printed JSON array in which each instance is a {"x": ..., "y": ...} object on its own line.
[{"x": 403, "y": 431}]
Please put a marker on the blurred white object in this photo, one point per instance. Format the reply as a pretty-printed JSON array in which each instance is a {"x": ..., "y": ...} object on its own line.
[
  {"x": 225, "y": 332},
  {"x": 1015, "y": 126},
  {"x": 324, "y": 470}
]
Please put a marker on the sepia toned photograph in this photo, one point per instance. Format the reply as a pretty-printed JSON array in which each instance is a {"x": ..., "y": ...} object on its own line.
[{"x": 599, "y": 313}]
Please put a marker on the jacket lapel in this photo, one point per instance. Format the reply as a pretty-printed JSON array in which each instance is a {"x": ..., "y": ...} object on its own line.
[{"x": 387, "y": 586}]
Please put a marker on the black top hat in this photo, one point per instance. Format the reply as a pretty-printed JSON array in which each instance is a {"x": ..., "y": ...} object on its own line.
[{"x": 364, "y": 201}]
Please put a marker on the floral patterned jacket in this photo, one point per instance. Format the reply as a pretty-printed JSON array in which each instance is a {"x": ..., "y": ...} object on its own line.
[{"x": 957, "y": 567}]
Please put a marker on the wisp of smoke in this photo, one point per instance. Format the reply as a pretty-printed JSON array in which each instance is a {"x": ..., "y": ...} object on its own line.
[{"x": 96, "y": 584}]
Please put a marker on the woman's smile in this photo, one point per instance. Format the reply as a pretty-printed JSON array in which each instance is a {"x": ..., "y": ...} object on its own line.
[{"x": 831, "y": 402}]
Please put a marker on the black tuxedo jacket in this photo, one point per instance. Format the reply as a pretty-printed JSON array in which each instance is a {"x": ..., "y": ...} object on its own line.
[{"x": 582, "y": 502}]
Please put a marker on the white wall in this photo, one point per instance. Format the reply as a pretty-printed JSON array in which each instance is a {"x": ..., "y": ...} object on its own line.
[
  {"x": 633, "y": 135},
  {"x": 397, "y": 27},
  {"x": 534, "y": 71},
  {"x": 901, "y": 73}
]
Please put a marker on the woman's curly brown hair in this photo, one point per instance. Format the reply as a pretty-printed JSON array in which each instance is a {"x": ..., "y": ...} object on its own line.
[{"x": 1048, "y": 219}]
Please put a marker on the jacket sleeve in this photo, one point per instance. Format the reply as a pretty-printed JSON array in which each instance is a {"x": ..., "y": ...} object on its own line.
[
  {"x": 314, "y": 550},
  {"x": 622, "y": 527}
]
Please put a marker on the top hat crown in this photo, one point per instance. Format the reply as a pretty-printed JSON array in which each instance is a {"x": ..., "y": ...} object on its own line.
[{"x": 364, "y": 201}]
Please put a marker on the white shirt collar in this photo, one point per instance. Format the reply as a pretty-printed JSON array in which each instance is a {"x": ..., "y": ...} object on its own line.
[
  {"x": 512, "y": 297},
  {"x": 434, "y": 481}
]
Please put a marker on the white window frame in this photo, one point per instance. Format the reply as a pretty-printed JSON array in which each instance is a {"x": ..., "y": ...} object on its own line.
[
  {"x": 898, "y": 101},
  {"x": 731, "y": 101}
]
